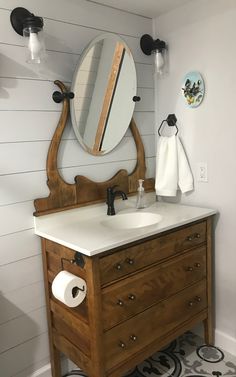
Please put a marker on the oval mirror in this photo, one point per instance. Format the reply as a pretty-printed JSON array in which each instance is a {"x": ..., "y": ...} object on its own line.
[{"x": 104, "y": 85}]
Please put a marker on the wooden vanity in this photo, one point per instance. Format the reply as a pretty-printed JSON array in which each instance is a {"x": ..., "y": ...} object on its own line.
[
  {"x": 141, "y": 293},
  {"x": 140, "y": 297}
]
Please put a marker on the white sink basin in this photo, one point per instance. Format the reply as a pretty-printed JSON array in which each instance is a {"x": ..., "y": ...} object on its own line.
[{"x": 132, "y": 220}]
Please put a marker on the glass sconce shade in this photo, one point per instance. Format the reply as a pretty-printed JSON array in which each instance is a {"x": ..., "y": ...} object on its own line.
[
  {"x": 34, "y": 43},
  {"x": 159, "y": 62}
]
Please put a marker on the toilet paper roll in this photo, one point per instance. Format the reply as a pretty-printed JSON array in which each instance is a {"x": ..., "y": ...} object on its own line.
[{"x": 69, "y": 289}]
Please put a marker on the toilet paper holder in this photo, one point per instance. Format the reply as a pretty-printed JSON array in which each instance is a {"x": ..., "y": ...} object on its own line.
[{"x": 78, "y": 260}]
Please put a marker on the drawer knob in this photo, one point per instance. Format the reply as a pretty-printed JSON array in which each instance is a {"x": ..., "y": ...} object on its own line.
[
  {"x": 197, "y": 265},
  {"x": 120, "y": 303},
  {"x": 118, "y": 266},
  {"x": 190, "y": 269},
  {"x": 132, "y": 297},
  {"x": 122, "y": 345},
  {"x": 190, "y": 303},
  {"x": 198, "y": 299},
  {"x": 189, "y": 238},
  {"x": 192, "y": 236},
  {"x": 133, "y": 338},
  {"x": 130, "y": 261}
]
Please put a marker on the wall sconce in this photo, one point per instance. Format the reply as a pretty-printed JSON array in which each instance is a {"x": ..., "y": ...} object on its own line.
[
  {"x": 31, "y": 28},
  {"x": 148, "y": 45}
]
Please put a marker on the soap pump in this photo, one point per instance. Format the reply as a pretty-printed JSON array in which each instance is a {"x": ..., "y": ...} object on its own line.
[{"x": 140, "y": 196}]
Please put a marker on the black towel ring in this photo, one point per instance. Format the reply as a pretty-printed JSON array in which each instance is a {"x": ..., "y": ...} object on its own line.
[{"x": 171, "y": 121}]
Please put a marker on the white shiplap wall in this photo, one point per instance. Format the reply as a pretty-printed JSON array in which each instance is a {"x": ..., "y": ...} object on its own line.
[{"x": 28, "y": 117}]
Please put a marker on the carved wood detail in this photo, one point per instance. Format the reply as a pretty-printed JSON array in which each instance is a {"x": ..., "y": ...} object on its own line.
[{"x": 85, "y": 191}]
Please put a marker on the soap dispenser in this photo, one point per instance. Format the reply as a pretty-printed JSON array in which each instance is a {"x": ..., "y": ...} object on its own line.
[{"x": 140, "y": 196}]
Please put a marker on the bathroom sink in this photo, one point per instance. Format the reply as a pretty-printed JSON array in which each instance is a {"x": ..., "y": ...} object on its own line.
[
  {"x": 90, "y": 231},
  {"x": 132, "y": 220}
]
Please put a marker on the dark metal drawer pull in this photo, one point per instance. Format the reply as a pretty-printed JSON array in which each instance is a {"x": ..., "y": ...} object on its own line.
[
  {"x": 192, "y": 236},
  {"x": 133, "y": 338},
  {"x": 120, "y": 303},
  {"x": 195, "y": 301},
  {"x": 197, "y": 265},
  {"x": 190, "y": 269},
  {"x": 122, "y": 345},
  {"x": 118, "y": 266},
  {"x": 132, "y": 297},
  {"x": 130, "y": 261}
]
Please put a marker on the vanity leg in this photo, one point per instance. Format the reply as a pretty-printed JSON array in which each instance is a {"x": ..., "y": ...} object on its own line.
[
  {"x": 54, "y": 352},
  {"x": 208, "y": 322},
  {"x": 55, "y": 361},
  {"x": 208, "y": 332}
]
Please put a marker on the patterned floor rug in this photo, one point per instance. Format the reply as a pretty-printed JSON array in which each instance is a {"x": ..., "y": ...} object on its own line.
[{"x": 185, "y": 357}]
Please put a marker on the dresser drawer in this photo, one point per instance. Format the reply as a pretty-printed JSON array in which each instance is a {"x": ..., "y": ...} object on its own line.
[
  {"x": 131, "y": 336},
  {"x": 132, "y": 295},
  {"x": 128, "y": 260}
]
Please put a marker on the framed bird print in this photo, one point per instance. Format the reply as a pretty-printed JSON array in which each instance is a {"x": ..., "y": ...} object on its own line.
[{"x": 193, "y": 89}]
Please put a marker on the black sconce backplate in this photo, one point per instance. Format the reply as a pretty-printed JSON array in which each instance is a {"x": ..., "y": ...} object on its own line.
[
  {"x": 21, "y": 18},
  {"x": 18, "y": 15},
  {"x": 148, "y": 44}
]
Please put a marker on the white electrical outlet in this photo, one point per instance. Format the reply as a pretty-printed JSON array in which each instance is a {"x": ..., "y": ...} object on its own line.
[{"x": 202, "y": 172}]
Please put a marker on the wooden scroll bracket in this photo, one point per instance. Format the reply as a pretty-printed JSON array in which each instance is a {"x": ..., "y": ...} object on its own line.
[{"x": 85, "y": 191}]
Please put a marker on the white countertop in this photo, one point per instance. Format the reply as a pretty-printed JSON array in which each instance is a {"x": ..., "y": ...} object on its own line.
[{"x": 82, "y": 229}]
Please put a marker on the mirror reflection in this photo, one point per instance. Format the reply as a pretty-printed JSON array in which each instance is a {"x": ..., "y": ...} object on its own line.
[{"x": 104, "y": 85}]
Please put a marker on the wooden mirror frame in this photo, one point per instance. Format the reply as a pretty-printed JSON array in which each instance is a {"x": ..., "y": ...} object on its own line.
[{"x": 84, "y": 191}]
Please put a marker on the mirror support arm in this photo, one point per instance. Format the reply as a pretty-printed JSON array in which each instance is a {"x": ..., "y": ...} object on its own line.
[{"x": 65, "y": 195}]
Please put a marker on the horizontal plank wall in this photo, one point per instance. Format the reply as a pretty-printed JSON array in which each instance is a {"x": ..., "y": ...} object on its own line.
[{"x": 28, "y": 117}]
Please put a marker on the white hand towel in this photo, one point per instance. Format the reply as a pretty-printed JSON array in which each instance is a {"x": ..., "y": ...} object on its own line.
[
  {"x": 166, "y": 166},
  {"x": 172, "y": 168}
]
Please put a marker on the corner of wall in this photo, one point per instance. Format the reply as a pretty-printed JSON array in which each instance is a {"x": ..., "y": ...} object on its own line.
[
  {"x": 225, "y": 341},
  {"x": 45, "y": 371}
]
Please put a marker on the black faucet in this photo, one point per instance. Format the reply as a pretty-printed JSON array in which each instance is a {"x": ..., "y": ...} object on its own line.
[{"x": 111, "y": 194}]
